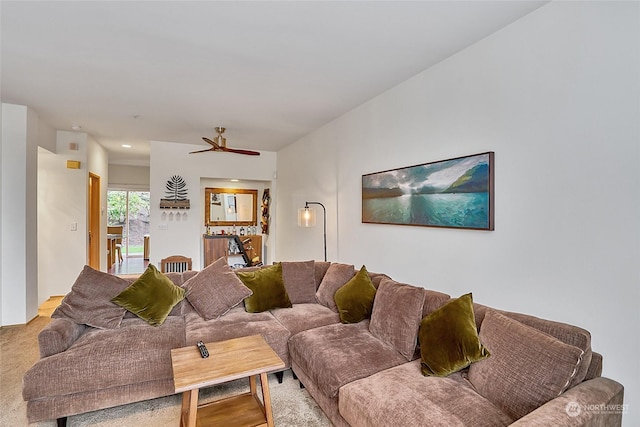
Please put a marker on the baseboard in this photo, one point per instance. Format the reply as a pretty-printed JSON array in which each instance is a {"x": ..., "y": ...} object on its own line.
[{"x": 37, "y": 315}]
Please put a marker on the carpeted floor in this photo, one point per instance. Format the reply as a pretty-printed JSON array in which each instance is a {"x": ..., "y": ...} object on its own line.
[{"x": 292, "y": 406}]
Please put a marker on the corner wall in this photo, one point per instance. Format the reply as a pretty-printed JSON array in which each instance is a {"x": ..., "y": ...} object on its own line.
[
  {"x": 62, "y": 200},
  {"x": 556, "y": 95},
  {"x": 18, "y": 215}
]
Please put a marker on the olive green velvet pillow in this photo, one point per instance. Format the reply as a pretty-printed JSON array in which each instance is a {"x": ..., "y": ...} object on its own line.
[
  {"x": 151, "y": 297},
  {"x": 268, "y": 289},
  {"x": 355, "y": 298},
  {"x": 449, "y": 339}
]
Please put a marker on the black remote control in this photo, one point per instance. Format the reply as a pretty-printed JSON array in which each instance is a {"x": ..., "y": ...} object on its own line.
[{"x": 203, "y": 349}]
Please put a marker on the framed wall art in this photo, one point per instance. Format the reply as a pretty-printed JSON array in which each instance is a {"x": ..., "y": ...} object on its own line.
[{"x": 453, "y": 193}]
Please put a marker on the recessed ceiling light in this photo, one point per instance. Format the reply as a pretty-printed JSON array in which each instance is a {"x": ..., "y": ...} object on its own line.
[
  {"x": 234, "y": 180},
  {"x": 76, "y": 127},
  {"x": 126, "y": 145}
]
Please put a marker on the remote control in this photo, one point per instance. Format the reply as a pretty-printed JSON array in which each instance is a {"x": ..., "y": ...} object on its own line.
[{"x": 203, "y": 349}]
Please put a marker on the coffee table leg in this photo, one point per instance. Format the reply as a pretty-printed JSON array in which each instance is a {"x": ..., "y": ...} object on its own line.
[
  {"x": 189, "y": 408},
  {"x": 252, "y": 384},
  {"x": 267, "y": 399}
]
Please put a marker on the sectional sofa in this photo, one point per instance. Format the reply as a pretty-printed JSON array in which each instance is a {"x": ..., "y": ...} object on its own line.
[{"x": 371, "y": 351}]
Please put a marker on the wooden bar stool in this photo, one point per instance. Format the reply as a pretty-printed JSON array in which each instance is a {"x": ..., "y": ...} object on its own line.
[
  {"x": 115, "y": 232},
  {"x": 119, "y": 251},
  {"x": 175, "y": 264}
]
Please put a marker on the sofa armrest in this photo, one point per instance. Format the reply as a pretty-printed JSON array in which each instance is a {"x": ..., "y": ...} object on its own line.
[
  {"x": 58, "y": 336},
  {"x": 596, "y": 403}
]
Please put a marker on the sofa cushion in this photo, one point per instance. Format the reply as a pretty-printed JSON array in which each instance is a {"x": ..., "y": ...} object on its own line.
[
  {"x": 239, "y": 323},
  {"x": 215, "y": 290},
  {"x": 135, "y": 353},
  {"x": 449, "y": 338},
  {"x": 151, "y": 297},
  {"x": 336, "y": 276},
  {"x": 397, "y": 311},
  {"x": 568, "y": 334},
  {"x": 433, "y": 300},
  {"x": 300, "y": 281},
  {"x": 186, "y": 275},
  {"x": 89, "y": 301},
  {"x": 354, "y": 299},
  {"x": 376, "y": 278},
  {"x": 320, "y": 269},
  {"x": 301, "y": 317},
  {"x": 401, "y": 396},
  {"x": 334, "y": 355},
  {"x": 527, "y": 368},
  {"x": 268, "y": 289}
]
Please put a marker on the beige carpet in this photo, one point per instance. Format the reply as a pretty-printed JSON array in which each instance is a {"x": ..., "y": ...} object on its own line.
[{"x": 291, "y": 405}]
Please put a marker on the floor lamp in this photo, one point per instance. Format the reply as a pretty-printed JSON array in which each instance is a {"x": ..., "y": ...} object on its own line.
[{"x": 307, "y": 218}]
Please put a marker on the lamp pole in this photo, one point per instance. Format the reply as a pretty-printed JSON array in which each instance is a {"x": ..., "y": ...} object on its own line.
[{"x": 324, "y": 223}]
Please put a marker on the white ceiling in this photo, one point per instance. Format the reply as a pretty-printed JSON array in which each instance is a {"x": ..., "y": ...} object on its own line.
[{"x": 270, "y": 72}]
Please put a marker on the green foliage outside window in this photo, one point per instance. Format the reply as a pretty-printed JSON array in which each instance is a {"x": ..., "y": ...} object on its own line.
[{"x": 117, "y": 206}]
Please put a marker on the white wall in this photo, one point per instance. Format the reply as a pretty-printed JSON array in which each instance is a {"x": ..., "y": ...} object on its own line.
[
  {"x": 307, "y": 172},
  {"x": 46, "y": 136},
  {"x": 184, "y": 237},
  {"x": 18, "y": 213},
  {"x": 129, "y": 177},
  {"x": 62, "y": 200},
  {"x": 556, "y": 95}
]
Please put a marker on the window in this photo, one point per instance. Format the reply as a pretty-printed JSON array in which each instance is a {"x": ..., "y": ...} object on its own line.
[{"x": 131, "y": 210}]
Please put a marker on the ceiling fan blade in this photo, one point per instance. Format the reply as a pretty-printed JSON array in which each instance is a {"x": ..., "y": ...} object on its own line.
[
  {"x": 211, "y": 142},
  {"x": 237, "y": 151},
  {"x": 222, "y": 147},
  {"x": 202, "y": 151}
]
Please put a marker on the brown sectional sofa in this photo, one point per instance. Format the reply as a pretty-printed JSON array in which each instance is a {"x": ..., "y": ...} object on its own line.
[{"x": 361, "y": 374}]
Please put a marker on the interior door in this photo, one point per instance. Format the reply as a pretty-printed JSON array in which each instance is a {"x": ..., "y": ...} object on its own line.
[{"x": 93, "y": 259}]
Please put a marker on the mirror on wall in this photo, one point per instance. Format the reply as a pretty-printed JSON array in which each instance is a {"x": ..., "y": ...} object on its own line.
[{"x": 228, "y": 206}]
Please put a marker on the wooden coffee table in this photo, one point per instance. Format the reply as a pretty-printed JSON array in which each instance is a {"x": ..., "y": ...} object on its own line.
[{"x": 228, "y": 360}]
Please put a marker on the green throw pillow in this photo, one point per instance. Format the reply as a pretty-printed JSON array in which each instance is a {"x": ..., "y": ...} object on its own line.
[
  {"x": 449, "y": 338},
  {"x": 268, "y": 289},
  {"x": 151, "y": 297},
  {"x": 355, "y": 298}
]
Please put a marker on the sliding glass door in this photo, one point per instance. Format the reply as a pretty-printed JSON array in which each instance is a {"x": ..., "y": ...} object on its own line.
[{"x": 129, "y": 209}]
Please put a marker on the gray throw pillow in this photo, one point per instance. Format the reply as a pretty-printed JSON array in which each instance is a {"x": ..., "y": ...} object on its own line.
[
  {"x": 396, "y": 316},
  {"x": 336, "y": 276},
  {"x": 89, "y": 301},
  {"x": 300, "y": 281},
  {"x": 527, "y": 367},
  {"x": 215, "y": 290}
]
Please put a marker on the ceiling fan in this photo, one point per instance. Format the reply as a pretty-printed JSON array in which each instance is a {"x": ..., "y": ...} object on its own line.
[{"x": 219, "y": 143}]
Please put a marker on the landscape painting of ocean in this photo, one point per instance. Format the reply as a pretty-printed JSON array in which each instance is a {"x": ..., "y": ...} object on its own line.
[{"x": 455, "y": 193}]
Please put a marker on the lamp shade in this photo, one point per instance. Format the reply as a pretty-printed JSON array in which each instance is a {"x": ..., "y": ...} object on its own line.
[{"x": 306, "y": 217}]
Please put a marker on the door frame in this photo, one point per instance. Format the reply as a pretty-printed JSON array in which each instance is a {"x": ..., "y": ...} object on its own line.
[{"x": 93, "y": 226}]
